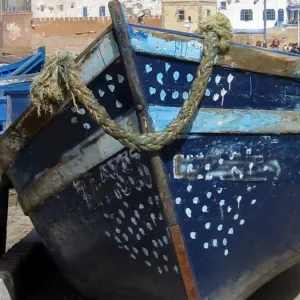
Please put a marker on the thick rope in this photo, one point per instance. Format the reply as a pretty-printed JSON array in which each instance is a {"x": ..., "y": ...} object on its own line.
[{"x": 60, "y": 78}]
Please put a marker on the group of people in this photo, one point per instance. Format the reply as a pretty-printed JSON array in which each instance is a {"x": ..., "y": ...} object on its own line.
[{"x": 276, "y": 46}]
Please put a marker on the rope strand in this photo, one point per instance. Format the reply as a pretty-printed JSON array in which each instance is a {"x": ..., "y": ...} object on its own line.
[{"x": 60, "y": 79}]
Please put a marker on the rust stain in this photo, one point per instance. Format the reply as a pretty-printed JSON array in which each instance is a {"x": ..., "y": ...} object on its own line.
[{"x": 184, "y": 264}]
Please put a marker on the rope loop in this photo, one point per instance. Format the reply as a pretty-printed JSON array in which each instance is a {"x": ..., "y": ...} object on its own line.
[{"x": 60, "y": 79}]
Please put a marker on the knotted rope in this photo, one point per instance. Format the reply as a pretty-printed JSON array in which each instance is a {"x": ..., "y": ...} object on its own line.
[{"x": 60, "y": 79}]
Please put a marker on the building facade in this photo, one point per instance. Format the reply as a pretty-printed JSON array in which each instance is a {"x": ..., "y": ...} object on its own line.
[
  {"x": 185, "y": 15},
  {"x": 248, "y": 15},
  {"x": 16, "y": 5},
  {"x": 91, "y": 8}
]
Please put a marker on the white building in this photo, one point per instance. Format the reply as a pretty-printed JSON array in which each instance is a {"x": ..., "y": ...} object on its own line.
[
  {"x": 90, "y": 8},
  {"x": 248, "y": 17}
]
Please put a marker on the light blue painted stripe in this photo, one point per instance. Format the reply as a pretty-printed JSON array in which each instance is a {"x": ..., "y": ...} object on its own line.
[
  {"x": 155, "y": 43},
  {"x": 210, "y": 120}
]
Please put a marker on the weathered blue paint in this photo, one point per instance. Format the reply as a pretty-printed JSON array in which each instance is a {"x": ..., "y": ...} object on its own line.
[
  {"x": 28, "y": 65},
  {"x": 230, "y": 121},
  {"x": 148, "y": 43}
]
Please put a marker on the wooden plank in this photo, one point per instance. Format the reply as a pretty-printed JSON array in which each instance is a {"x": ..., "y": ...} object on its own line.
[{"x": 230, "y": 121}]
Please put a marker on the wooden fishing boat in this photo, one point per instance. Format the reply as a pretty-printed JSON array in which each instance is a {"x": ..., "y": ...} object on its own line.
[
  {"x": 214, "y": 215},
  {"x": 29, "y": 65}
]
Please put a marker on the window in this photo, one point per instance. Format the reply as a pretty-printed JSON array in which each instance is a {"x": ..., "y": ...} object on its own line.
[
  {"x": 208, "y": 12},
  {"x": 280, "y": 16},
  {"x": 270, "y": 15},
  {"x": 102, "y": 11},
  {"x": 223, "y": 5},
  {"x": 246, "y": 15},
  {"x": 84, "y": 11},
  {"x": 61, "y": 7},
  {"x": 180, "y": 15},
  {"x": 42, "y": 7}
]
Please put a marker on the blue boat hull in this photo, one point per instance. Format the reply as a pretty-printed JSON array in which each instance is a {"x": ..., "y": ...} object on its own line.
[{"x": 211, "y": 216}]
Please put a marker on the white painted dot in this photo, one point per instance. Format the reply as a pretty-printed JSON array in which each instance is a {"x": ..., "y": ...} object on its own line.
[
  {"x": 219, "y": 190},
  {"x": 200, "y": 176},
  {"x": 126, "y": 204},
  {"x": 141, "y": 206},
  {"x": 118, "y": 104},
  {"x": 206, "y": 245},
  {"x": 74, "y": 120},
  {"x": 121, "y": 213},
  {"x": 107, "y": 233},
  {"x": 230, "y": 231},
  {"x": 163, "y": 95},
  {"x": 185, "y": 95},
  {"x": 215, "y": 243},
  {"x": 195, "y": 200},
  {"x": 101, "y": 93},
  {"x": 137, "y": 215},
  {"x": 159, "y": 270},
  {"x": 81, "y": 111},
  {"x": 118, "y": 230},
  {"x": 221, "y": 161},
  {"x": 220, "y": 227},
  {"x": 108, "y": 77},
  {"x": 142, "y": 231},
  {"x": 236, "y": 216},
  {"x": 152, "y": 215},
  {"x": 165, "y": 239},
  {"x": 167, "y": 67},
  {"x": 249, "y": 188},
  {"x": 224, "y": 241},
  {"x": 217, "y": 79},
  {"x": 248, "y": 151},
  {"x": 148, "y": 263},
  {"x": 242, "y": 222},
  {"x": 160, "y": 242},
  {"x": 176, "y": 75},
  {"x": 239, "y": 199},
  {"x": 176, "y": 269},
  {"x": 133, "y": 220},
  {"x": 193, "y": 235},
  {"x": 188, "y": 212},
  {"x": 222, "y": 202},
  {"x": 208, "y": 177},
  {"x": 138, "y": 236},
  {"x": 86, "y": 126},
  {"x": 216, "y": 97},
  {"x": 155, "y": 254},
  {"x": 146, "y": 252},
  {"x": 125, "y": 237},
  {"x": 119, "y": 221},
  {"x": 73, "y": 109},
  {"x": 150, "y": 201},
  {"x": 178, "y": 200},
  {"x": 189, "y": 77},
  {"x": 189, "y": 188},
  {"x": 208, "y": 195},
  {"x": 159, "y": 78},
  {"x": 207, "y": 225},
  {"x": 106, "y": 216},
  {"x": 149, "y": 226},
  {"x": 120, "y": 78},
  {"x": 130, "y": 230},
  {"x": 111, "y": 87},
  {"x": 160, "y": 217},
  {"x": 207, "y": 92},
  {"x": 133, "y": 256},
  {"x": 226, "y": 252},
  {"x": 253, "y": 201},
  {"x": 154, "y": 242},
  {"x": 136, "y": 251},
  {"x": 165, "y": 257},
  {"x": 175, "y": 95},
  {"x": 204, "y": 208},
  {"x": 117, "y": 239},
  {"x": 166, "y": 268},
  {"x": 229, "y": 209},
  {"x": 148, "y": 68},
  {"x": 126, "y": 248},
  {"x": 152, "y": 90}
]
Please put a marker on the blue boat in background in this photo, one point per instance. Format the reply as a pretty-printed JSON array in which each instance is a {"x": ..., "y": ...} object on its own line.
[
  {"x": 214, "y": 215},
  {"x": 29, "y": 65}
]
